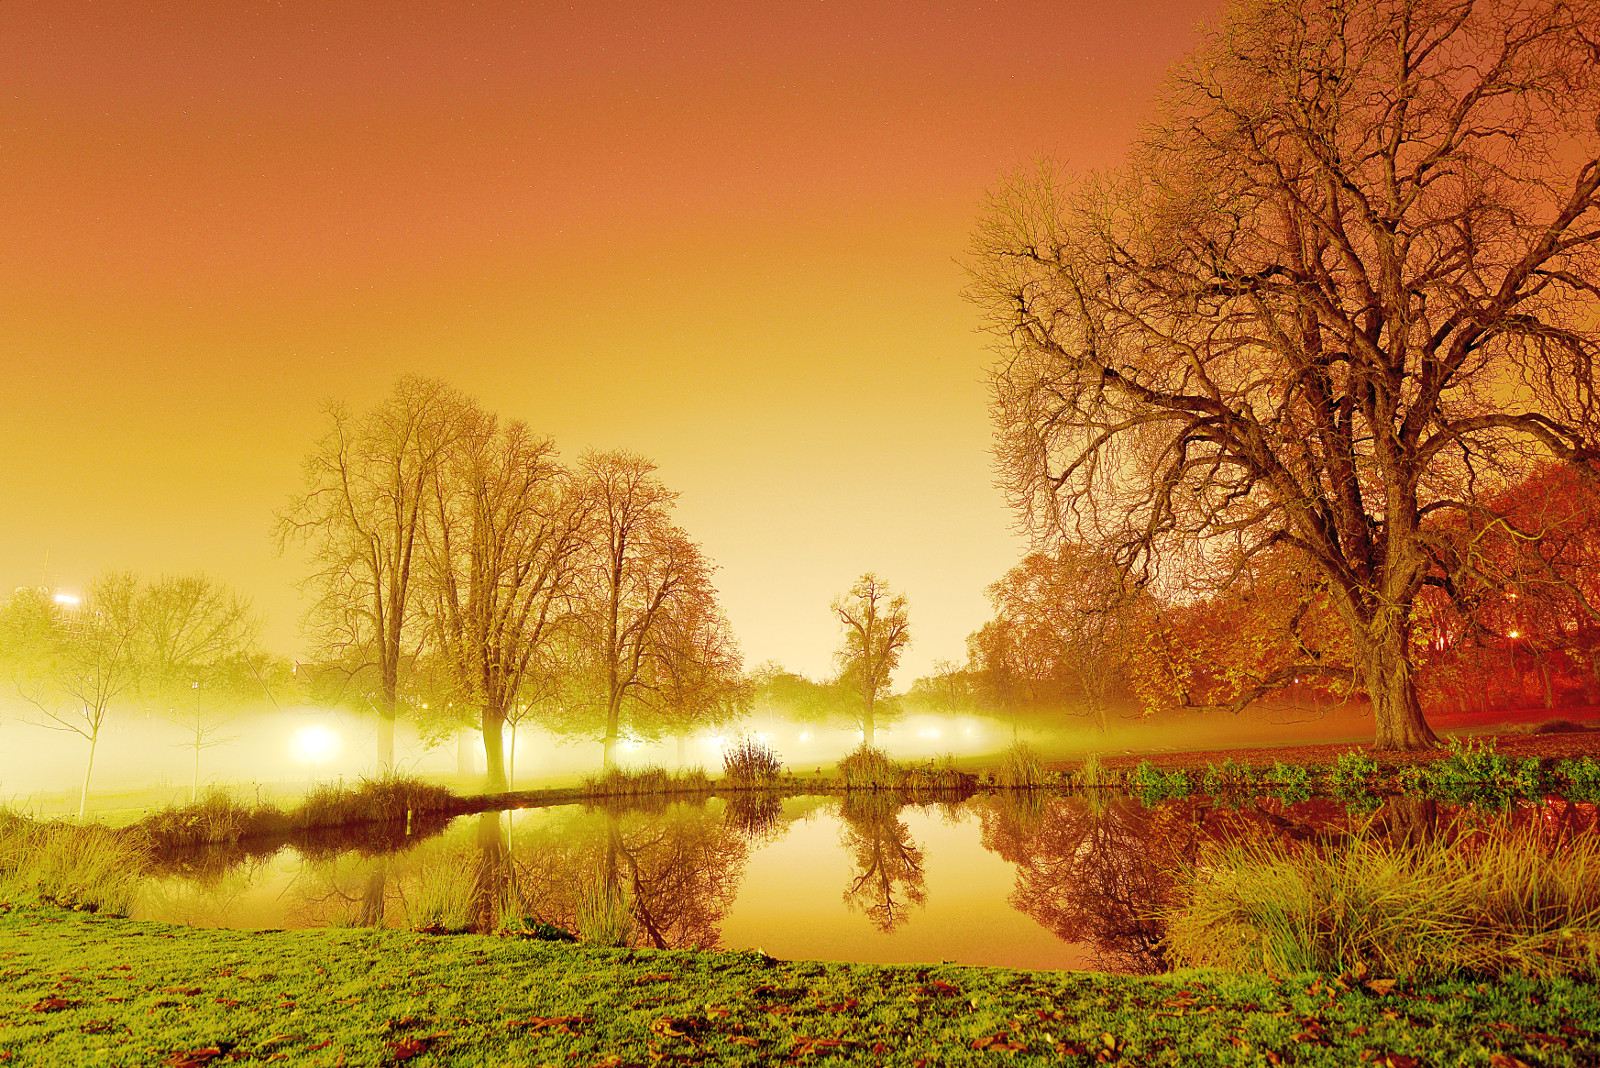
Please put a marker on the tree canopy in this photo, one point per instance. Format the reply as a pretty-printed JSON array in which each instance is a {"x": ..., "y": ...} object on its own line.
[{"x": 1343, "y": 288}]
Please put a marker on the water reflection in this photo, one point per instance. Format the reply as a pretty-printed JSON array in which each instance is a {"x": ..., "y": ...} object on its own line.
[
  {"x": 1025, "y": 878},
  {"x": 888, "y": 880}
]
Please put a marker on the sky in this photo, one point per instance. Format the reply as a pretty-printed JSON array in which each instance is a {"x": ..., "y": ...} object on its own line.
[{"x": 725, "y": 235}]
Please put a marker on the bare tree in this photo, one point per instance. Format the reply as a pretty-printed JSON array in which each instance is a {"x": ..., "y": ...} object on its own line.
[
  {"x": 368, "y": 483},
  {"x": 1344, "y": 287},
  {"x": 504, "y": 544},
  {"x": 876, "y": 632},
  {"x": 642, "y": 573},
  {"x": 77, "y": 660}
]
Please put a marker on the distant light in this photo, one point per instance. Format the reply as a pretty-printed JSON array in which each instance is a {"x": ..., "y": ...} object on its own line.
[
  {"x": 316, "y": 743},
  {"x": 66, "y": 600},
  {"x": 805, "y": 736},
  {"x": 1514, "y": 634},
  {"x": 929, "y": 732}
]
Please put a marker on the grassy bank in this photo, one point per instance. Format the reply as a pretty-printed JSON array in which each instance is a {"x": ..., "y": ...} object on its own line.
[{"x": 89, "y": 990}]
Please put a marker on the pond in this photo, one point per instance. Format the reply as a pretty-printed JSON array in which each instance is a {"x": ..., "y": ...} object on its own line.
[{"x": 1046, "y": 881}]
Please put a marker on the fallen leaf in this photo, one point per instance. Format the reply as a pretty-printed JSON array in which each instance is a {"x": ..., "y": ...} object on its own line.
[
  {"x": 192, "y": 1058},
  {"x": 565, "y": 1025},
  {"x": 743, "y": 1040},
  {"x": 1380, "y": 986},
  {"x": 407, "y": 1048},
  {"x": 998, "y": 1041},
  {"x": 653, "y": 977},
  {"x": 1505, "y": 1060},
  {"x": 186, "y": 991},
  {"x": 53, "y": 1005}
]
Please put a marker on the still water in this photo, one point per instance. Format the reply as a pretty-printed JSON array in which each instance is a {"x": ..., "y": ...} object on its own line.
[{"x": 1042, "y": 881}]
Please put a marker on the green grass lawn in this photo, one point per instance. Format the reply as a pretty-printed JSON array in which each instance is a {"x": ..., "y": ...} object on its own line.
[{"x": 80, "y": 989}]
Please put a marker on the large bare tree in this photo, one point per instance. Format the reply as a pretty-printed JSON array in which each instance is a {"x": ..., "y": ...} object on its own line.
[
  {"x": 1345, "y": 286},
  {"x": 504, "y": 543},
  {"x": 642, "y": 577},
  {"x": 877, "y": 630},
  {"x": 368, "y": 483}
]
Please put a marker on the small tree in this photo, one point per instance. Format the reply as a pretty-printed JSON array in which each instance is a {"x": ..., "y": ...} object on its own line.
[{"x": 876, "y": 632}]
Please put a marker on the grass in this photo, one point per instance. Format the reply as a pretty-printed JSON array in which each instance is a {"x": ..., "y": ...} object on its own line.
[
  {"x": 1494, "y": 900},
  {"x": 646, "y": 782},
  {"x": 1021, "y": 768},
  {"x": 869, "y": 768},
  {"x": 85, "y": 989},
  {"x": 751, "y": 765},
  {"x": 73, "y": 866},
  {"x": 1092, "y": 774},
  {"x": 604, "y": 917},
  {"x": 217, "y": 816},
  {"x": 385, "y": 799}
]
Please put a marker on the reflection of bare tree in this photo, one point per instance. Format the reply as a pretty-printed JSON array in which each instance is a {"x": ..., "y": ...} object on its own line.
[
  {"x": 679, "y": 870},
  {"x": 1093, "y": 871},
  {"x": 889, "y": 879}
]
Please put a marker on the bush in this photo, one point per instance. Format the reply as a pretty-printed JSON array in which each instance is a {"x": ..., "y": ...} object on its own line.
[
  {"x": 868, "y": 768},
  {"x": 751, "y": 763},
  {"x": 938, "y": 775},
  {"x": 1353, "y": 773},
  {"x": 1225, "y": 777},
  {"x": 1291, "y": 782},
  {"x": 1020, "y": 768},
  {"x": 1494, "y": 902},
  {"x": 1151, "y": 785},
  {"x": 1582, "y": 778},
  {"x": 1478, "y": 773}
]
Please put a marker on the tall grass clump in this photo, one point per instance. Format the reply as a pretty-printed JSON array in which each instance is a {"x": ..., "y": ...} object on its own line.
[
  {"x": 646, "y": 782},
  {"x": 1491, "y": 902},
  {"x": 76, "y": 867},
  {"x": 938, "y": 775},
  {"x": 1091, "y": 773},
  {"x": 445, "y": 900},
  {"x": 751, "y": 765},
  {"x": 1021, "y": 768},
  {"x": 868, "y": 768},
  {"x": 1291, "y": 782},
  {"x": 216, "y": 816},
  {"x": 603, "y": 917},
  {"x": 387, "y": 799}
]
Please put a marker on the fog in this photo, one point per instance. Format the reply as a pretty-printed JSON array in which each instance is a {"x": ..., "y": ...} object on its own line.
[{"x": 261, "y": 751}]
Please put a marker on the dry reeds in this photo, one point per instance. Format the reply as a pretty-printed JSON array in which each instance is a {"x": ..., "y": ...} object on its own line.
[
  {"x": 751, "y": 765},
  {"x": 646, "y": 782},
  {"x": 603, "y": 917},
  {"x": 1493, "y": 901},
  {"x": 1021, "y": 768},
  {"x": 868, "y": 768},
  {"x": 76, "y": 867}
]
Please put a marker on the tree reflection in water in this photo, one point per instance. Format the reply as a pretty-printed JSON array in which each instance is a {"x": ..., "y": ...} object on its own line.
[
  {"x": 1093, "y": 870},
  {"x": 677, "y": 868},
  {"x": 889, "y": 879}
]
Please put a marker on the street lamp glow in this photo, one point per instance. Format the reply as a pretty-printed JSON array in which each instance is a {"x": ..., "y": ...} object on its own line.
[{"x": 315, "y": 743}]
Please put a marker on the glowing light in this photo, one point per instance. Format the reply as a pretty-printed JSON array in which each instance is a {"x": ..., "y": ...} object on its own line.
[
  {"x": 930, "y": 732},
  {"x": 66, "y": 600},
  {"x": 316, "y": 743},
  {"x": 1514, "y": 634},
  {"x": 805, "y": 736}
]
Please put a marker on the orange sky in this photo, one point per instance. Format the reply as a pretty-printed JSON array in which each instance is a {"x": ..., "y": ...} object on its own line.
[{"x": 720, "y": 234}]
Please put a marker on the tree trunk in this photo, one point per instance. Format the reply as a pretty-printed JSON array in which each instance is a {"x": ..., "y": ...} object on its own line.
[
  {"x": 1386, "y": 675},
  {"x": 385, "y": 741},
  {"x": 83, "y": 795},
  {"x": 613, "y": 719},
  {"x": 493, "y": 749},
  {"x": 867, "y": 733},
  {"x": 1545, "y": 681}
]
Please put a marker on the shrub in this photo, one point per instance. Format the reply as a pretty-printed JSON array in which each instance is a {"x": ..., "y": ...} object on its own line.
[
  {"x": 1493, "y": 902},
  {"x": 868, "y": 768},
  {"x": 751, "y": 763},
  {"x": 1476, "y": 772},
  {"x": 1225, "y": 777},
  {"x": 1582, "y": 778},
  {"x": 1020, "y": 768},
  {"x": 1292, "y": 782},
  {"x": 1151, "y": 785},
  {"x": 1353, "y": 773}
]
